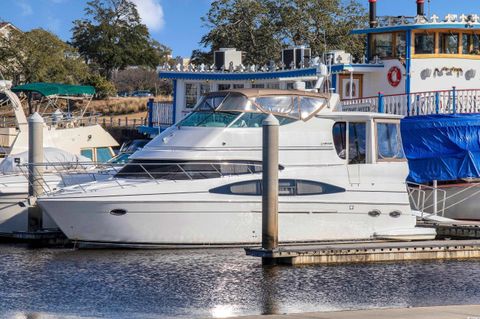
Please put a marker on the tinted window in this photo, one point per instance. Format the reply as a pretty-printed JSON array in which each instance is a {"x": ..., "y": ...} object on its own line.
[
  {"x": 340, "y": 139},
  {"x": 286, "y": 187},
  {"x": 209, "y": 119},
  {"x": 173, "y": 170},
  {"x": 389, "y": 141},
  {"x": 103, "y": 154},
  {"x": 88, "y": 153},
  {"x": 356, "y": 143}
]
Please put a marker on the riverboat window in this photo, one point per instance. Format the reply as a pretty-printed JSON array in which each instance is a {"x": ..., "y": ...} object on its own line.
[
  {"x": 424, "y": 43},
  {"x": 356, "y": 143},
  {"x": 389, "y": 143},
  {"x": 286, "y": 187},
  {"x": 449, "y": 43},
  {"x": 400, "y": 44},
  {"x": 238, "y": 86},
  {"x": 190, "y": 95},
  {"x": 475, "y": 44},
  {"x": 340, "y": 139},
  {"x": 258, "y": 85},
  {"x": 382, "y": 45},
  {"x": 176, "y": 170}
]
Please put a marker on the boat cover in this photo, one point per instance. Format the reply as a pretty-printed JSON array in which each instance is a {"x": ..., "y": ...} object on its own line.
[{"x": 442, "y": 147}]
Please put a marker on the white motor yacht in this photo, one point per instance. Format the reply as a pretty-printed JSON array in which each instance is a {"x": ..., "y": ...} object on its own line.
[{"x": 341, "y": 177}]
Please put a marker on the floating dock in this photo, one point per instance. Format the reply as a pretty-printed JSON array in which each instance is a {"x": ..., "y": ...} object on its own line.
[
  {"x": 442, "y": 312},
  {"x": 363, "y": 252}
]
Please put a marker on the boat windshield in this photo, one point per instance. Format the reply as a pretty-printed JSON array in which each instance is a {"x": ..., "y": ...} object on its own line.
[{"x": 231, "y": 109}]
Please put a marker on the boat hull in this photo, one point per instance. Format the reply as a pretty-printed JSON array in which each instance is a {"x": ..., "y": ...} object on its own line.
[{"x": 154, "y": 222}]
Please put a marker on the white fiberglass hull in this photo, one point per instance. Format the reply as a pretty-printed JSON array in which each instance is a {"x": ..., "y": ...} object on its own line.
[
  {"x": 202, "y": 218},
  {"x": 14, "y": 190}
]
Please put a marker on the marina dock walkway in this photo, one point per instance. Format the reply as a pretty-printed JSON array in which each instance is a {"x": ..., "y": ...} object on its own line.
[{"x": 443, "y": 312}]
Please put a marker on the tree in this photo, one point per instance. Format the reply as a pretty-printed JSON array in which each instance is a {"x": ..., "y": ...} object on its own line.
[
  {"x": 113, "y": 37},
  {"x": 246, "y": 25},
  {"x": 40, "y": 56},
  {"x": 262, "y": 27},
  {"x": 133, "y": 79},
  {"x": 322, "y": 24}
]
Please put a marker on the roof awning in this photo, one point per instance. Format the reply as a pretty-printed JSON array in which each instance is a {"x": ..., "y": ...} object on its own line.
[{"x": 56, "y": 89}]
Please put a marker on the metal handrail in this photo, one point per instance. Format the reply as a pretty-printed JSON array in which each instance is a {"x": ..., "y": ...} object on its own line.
[
  {"x": 419, "y": 198},
  {"x": 65, "y": 169}
]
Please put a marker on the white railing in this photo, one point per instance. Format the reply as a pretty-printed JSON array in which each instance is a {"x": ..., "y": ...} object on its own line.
[
  {"x": 78, "y": 174},
  {"x": 161, "y": 114},
  {"x": 420, "y": 103},
  {"x": 427, "y": 199}
]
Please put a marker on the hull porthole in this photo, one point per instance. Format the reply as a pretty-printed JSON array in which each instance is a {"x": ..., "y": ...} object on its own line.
[
  {"x": 374, "y": 213},
  {"x": 118, "y": 212},
  {"x": 395, "y": 214}
]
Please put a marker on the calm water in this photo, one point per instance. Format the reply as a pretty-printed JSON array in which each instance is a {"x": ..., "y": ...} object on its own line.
[{"x": 63, "y": 283}]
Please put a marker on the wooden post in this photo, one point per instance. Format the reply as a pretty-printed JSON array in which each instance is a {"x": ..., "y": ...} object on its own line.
[
  {"x": 126, "y": 121},
  {"x": 270, "y": 186}
]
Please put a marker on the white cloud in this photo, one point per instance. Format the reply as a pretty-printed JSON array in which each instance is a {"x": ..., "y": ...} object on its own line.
[
  {"x": 25, "y": 7},
  {"x": 151, "y": 13}
]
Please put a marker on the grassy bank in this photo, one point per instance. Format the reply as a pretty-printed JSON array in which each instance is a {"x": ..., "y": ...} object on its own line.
[{"x": 123, "y": 105}]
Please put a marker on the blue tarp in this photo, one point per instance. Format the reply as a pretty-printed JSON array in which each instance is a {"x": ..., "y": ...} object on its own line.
[{"x": 442, "y": 147}]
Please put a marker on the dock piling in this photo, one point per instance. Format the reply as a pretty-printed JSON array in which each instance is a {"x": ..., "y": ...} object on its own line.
[
  {"x": 270, "y": 130},
  {"x": 35, "y": 156}
]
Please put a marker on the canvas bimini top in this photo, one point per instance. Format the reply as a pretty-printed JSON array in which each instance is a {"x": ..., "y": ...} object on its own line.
[{"x": 56, "y": 89}]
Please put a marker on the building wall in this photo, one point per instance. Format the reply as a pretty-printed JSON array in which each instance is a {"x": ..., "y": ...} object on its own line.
[{"x": 454, "y": 74}]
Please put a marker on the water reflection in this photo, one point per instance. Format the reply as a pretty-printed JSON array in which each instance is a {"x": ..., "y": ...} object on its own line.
[{"x": 61, "y": 283}]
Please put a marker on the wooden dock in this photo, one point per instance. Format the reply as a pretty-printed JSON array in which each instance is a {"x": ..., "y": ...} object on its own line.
[
  {"x": 442, "y": 312},
  {"x": 363, "y": 252}
]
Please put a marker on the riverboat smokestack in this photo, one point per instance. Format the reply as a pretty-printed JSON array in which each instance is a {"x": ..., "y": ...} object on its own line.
[
  {"x": 420, "y": 7},
  {"x": 373, "y": 13}
]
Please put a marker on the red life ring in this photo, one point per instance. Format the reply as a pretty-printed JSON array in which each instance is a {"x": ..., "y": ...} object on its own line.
[{"x": 394, "y": 76}]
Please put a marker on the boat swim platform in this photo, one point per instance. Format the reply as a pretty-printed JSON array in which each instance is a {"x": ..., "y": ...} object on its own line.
[
  {"x": 439, "y": 312},
  {"x": 368, "y": 252},
  {"x": 454, "y": 230}
]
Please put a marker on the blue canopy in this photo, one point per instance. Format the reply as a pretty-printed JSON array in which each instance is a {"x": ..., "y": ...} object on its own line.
[{"x": 442, "y": 147}]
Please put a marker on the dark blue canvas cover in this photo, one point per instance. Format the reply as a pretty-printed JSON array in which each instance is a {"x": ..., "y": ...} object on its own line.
[{"x": 442, "y": 147}]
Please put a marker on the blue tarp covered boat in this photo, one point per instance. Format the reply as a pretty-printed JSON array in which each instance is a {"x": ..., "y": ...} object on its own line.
[{"x": 443, "y": 147}]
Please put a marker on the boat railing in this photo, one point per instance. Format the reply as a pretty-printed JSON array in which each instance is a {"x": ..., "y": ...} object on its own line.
[
  {"x": 427, "y": 199},
  {"x": 81, "y": 173},
  {"x": 420, "y": 103}
]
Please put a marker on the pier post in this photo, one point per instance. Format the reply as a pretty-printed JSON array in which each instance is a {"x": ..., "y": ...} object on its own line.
[
  {"x": 435, "y": 197},
  {"x": 270, "y": 186},
  {"x": 35, "y": 156}
]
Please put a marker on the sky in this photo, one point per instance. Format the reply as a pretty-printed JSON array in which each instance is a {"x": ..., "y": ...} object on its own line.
[{"x": 177, "y": 23}]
